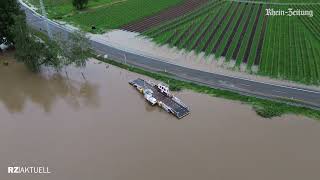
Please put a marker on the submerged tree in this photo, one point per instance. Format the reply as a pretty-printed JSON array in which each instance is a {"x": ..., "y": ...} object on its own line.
[
  {"x": 73, "y": 50},
  {"x": 79, "y": 4},
  {"x": 36, "y": 52},
  {"x": 34, "y": 49},
  {"x": 30, "y": 50}
]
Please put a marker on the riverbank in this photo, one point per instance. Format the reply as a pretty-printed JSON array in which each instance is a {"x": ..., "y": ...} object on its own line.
[{"x": 263, "y": 107}]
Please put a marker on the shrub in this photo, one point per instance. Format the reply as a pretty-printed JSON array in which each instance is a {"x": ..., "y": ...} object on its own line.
[{"x": 79, "y": 4}]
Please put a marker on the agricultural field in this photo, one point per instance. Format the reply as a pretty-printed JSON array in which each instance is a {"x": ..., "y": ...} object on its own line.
[
  {"x": 240, "y": 35},
  {"x": 281, "y": 1},
  {"x": 104, "y": 14},
  {"x": 166, "y": 15}
]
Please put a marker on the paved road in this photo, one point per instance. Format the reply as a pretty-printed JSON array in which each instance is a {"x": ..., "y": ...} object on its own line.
[{"x": 301, "y": 96}]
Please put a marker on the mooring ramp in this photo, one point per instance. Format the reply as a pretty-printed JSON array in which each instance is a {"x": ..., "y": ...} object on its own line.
[{"x": 170, "y": 104}]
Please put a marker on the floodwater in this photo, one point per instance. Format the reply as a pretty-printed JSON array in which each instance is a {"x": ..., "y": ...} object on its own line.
[{"x": 97, "y": 126}]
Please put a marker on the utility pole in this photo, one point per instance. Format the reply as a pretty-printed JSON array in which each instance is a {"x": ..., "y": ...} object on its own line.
[
  {"x": 125, "y": 58},
  {"x": 44, "y": 14}
]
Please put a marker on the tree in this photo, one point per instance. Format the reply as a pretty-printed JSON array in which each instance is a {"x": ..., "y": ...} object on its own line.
[
  {"x": 80, "y": 4},
  {"x": 31, "y": 50},
  {"x": 75, "y": 49},
  {"x": 9, "y": 9},
  {"x": 36, "y": 52}
]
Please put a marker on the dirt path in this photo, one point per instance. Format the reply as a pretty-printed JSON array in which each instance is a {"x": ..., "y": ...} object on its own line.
[
  {"x": 96, "y": 7},
  {"x": 107, "y": 5}
]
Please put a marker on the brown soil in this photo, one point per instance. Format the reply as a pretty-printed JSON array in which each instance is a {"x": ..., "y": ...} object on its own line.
[{"x": 166, "y": 15}]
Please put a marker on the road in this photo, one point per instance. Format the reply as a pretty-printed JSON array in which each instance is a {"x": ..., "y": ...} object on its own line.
[{"x": 300, "y": 96}]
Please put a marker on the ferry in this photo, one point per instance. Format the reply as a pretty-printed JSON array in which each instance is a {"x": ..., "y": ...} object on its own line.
[{"x": 160, "y": 94}]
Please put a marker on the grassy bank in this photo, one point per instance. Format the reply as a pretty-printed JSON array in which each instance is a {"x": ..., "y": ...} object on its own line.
[{"x": 264, "y": 108}]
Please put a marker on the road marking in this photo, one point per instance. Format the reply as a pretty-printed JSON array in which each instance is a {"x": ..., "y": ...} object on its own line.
[
  {"x": 278, "y": 91},
  {"x": 247, "y": 85}
]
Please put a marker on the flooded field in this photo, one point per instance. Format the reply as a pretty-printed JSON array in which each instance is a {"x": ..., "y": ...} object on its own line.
[{"x": 97, "y": 126}]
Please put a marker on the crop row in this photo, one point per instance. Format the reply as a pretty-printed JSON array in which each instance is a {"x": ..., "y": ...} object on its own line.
[
  {"x": 278, "y": 46},
  {"x": 230, "y": 26},
  {"x": 291, "y": 51},
  {"x": 312, "y": 23},
  {"x": 153, "y": 32}
]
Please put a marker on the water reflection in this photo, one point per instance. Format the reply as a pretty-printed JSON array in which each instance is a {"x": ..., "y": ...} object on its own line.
[{"x": 18, "y": 86}]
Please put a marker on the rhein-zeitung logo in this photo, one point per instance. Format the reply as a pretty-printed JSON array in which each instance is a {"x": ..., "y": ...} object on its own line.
[
  {"x": 28, "y": 170},
  {"x": 289, "y": 12}
]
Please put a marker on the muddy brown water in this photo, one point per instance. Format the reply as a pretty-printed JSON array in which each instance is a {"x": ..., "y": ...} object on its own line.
[{"x": 101, "y": 128}]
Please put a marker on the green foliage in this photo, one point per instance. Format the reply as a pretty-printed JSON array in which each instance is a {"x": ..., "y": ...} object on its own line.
[
  {"x": 268, "y": 112},
  {"x": 74, "y": 50},
  {"x": 8, "y": 10},
  {"x": 35, "y": 51},
  {"x": 32, "y": 51},
  {"x": 80, "y": 4}
]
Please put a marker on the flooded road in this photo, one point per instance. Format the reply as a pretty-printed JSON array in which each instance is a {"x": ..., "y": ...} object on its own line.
[{"x": 99, "y": 127}]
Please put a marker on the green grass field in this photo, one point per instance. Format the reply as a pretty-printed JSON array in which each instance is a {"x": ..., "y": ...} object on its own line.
[
  {"x": 277, "y": 46},
  {"x": 104, "y": 14}
]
